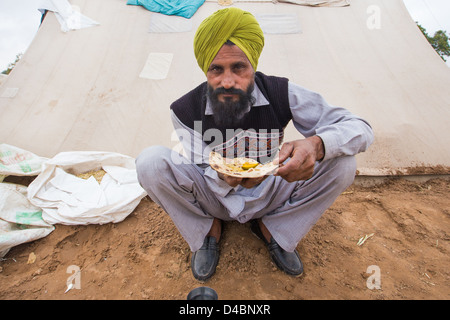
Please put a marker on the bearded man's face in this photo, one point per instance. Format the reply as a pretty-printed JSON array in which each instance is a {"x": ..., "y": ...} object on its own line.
[
  {"x": 230, "y": 84},
  {"x": 230, "y": 112}
]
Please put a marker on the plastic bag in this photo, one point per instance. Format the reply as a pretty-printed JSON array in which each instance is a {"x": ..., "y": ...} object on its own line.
[
  {"x": 18, "y": 162},
  {"x": 66, "y": 198},
  {"x": 67, "y": 15},
  {"x": 20, "y": 221}
]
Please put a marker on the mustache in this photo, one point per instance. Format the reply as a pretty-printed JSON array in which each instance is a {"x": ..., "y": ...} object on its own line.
[{"x": 222, "y": 90}]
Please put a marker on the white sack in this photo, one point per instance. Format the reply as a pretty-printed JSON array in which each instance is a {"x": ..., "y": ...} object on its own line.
[
  {"x": 20, "y": 221},
  {"x": 68, "y": 199},
  {"x": 18, "y": 162}
]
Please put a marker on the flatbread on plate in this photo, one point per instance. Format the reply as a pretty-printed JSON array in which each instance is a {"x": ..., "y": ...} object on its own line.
[{"x": 240, "y": 167}]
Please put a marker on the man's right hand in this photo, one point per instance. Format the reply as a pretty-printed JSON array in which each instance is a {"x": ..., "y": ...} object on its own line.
[
  {"x": 245, "y": 182},
  {"x": 232, "y": 181}
]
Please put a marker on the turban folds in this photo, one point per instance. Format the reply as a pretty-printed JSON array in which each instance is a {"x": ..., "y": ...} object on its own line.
[{"x": 232, "y": 24}]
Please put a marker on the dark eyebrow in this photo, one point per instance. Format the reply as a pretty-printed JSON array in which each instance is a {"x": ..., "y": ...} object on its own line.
[
  {"x": 239, "y": 64},
  {"x": 213, "y": 65}
]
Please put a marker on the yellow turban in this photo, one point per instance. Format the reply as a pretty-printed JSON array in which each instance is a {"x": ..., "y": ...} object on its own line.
[{"x": 232, "y": 24}]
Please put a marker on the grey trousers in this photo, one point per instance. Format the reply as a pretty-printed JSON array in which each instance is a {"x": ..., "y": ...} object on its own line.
[{"x": 288, "y": 210}]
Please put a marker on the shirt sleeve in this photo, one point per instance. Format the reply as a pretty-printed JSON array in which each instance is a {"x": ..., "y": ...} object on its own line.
[{"x": 342, "y": 132}]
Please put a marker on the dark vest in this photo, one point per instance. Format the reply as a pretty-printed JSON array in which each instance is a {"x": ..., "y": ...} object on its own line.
[{"x": 262, "y": 131}]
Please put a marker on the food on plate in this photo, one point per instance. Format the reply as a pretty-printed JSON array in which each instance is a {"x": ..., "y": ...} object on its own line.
[
  {"x": 240, "y": 167},
  {"x": 248, "y": 165}
]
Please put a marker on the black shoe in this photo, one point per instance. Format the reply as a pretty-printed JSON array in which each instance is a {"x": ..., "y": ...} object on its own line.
[
  {"x": 289, "y": 262},
  {"x": 204, "y": 260}
]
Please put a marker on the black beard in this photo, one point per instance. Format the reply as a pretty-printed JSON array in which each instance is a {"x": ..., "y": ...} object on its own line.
[{"x": 230, "y": 113}]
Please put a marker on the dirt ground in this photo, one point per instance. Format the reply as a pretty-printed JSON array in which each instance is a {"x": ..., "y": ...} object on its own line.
[{"x": 144, "y": 257}]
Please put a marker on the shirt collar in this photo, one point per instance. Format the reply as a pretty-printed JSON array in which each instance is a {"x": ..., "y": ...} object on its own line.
[{"x": 260, "y": 100}]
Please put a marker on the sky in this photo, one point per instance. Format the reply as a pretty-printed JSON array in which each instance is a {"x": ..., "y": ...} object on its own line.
[{"x": 19, "y": 22}]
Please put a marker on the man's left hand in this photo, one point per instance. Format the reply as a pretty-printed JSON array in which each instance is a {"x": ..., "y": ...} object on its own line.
[{"x": 303, "y": 154}]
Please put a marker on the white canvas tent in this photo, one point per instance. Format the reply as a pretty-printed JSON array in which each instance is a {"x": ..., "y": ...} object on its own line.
[{"x": 109, "y": 87}]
